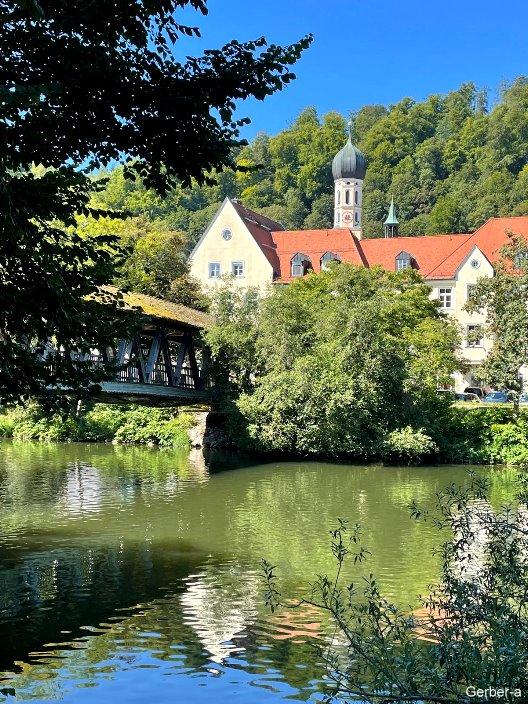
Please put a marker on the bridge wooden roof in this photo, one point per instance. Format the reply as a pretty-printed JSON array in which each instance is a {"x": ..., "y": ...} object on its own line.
[{"x": 163, "y": 310}]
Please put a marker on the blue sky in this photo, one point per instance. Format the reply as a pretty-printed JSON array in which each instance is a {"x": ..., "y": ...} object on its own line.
[{"x": 372, "y": 51}]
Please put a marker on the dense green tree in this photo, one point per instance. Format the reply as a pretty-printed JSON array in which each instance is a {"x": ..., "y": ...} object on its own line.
[
  {"x": 504, "y": 299},
  {"x": 82, "y": 85},
  {"x": 334, "y": 362}
]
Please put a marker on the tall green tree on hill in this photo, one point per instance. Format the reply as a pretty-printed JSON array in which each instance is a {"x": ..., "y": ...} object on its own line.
[
  {"x": 449, "y": 162},
  {"x": 83, "y": 84}
]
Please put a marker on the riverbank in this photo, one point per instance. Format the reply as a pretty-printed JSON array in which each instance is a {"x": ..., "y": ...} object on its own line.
[
  {"x": 101, "y": 423},
  {"x": 474, "y": 434}
]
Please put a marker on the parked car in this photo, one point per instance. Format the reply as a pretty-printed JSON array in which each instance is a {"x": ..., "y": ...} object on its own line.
[
  {"x": 523, "y": 398},
  {"x": 475, "y": 390},
  {"x": 471, "y": 398},
  {"x": 447, "y": 393},
  {"x": 496, "y": 397}
]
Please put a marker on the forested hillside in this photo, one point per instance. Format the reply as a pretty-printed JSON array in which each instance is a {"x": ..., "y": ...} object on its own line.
[{"x": 450, "y": 162}]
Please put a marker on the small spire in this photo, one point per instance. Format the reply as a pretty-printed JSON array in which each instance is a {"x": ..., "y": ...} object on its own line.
[
  {"x": 350, "y": 130},
  {"x": 391, "y": 217},
  {"x": 391, "y": 224}
]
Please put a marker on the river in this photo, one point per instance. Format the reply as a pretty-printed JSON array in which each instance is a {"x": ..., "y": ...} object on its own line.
[{"x": 132, "y": 575}]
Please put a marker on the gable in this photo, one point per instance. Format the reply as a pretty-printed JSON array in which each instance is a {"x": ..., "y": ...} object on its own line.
[{"x": 250, "y": 232}]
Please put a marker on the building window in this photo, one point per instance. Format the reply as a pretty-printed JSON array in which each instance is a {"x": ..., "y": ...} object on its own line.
[
  {"x": 347, "y": 196},
  {"x": 227, "y": 234},
  {"x": 237, "y": 269},
  {"x": 339, "y": 217},
  {"x": 339, "y": 197},
  {"x": 403, "y": 261},
  {"x": 471, "y": 291},
  {"x": 327, "y": 258},
  {"x": 445, "y": 296},
  {"x": 356, "y": 197},
  {"x": 214, "y": 270},
  {"x": 356, "y": 218},
  {"x": 300, "y": 265},
  {"x": 474, "y": 336}
]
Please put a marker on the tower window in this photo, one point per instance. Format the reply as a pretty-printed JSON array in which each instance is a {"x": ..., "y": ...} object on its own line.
[
  {"x": 356, "y": 197},
  {"x": 300, "y": 265},
  {"x": 339, "y": 197},
  {"x": 356, "y": 218},
  {"x": 403, "y": 261},
  {"x": 347, "y": 196}
]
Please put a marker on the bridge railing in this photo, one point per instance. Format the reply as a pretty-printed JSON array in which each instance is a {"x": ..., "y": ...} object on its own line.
[{"x": 129, "y": 373}]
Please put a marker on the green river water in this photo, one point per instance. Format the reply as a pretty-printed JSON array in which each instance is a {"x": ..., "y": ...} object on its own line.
[{"x": 132, "y": 575}]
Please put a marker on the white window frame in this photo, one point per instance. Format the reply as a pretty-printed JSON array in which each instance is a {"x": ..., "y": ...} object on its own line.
[
  {"x": 445, "y": 295},
  {"x": 468, "y": 291},
  {"x": 210, "y": 266},
  {"x": 241, "y": 264},
  {"x": 469, "y": 329}
]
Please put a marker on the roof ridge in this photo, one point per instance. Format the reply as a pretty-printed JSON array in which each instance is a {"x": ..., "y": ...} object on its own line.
[
  {"x": 258, "y": 216},
  {"x": 452, "y": 253}
]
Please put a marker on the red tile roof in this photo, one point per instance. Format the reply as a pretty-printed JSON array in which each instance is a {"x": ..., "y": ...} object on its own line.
[
  {"x": 313, "y": 244},
  {"x": 435, "y": 256}
]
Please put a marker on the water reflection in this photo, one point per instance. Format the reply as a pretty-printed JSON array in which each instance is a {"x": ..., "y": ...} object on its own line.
[{"x": 129, "y": 569}]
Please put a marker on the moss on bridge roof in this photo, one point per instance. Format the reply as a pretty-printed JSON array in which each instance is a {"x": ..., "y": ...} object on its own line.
[{"x": 163, "y": 310}]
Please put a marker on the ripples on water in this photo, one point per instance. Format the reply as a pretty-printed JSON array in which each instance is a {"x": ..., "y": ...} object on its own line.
[{"x": 129, "y": 574}]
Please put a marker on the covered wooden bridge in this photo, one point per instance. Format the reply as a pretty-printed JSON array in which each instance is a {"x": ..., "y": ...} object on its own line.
[{"x": 165, "y": 362}]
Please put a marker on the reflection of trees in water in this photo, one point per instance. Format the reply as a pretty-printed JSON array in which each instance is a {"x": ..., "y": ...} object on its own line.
[
  {"x": 63, "y": 589},
  {"x": 210, "y": 624},
  {"x": 137, "y": 565}
]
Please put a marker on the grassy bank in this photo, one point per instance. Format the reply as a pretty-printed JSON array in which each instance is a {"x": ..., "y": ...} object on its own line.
[
  {"x": 102, "y": 423},
  {"x": 472, "y": 434}
]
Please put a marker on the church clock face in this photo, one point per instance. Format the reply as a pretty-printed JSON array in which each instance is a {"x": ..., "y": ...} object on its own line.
[{"x": 347, "y": 217}]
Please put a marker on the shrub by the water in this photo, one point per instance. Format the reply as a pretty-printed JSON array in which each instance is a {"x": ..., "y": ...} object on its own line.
[
  {"x": 102, "y": 423},
  {"x": 408, "y": 446},
  {"x": 484, "y": 435}
]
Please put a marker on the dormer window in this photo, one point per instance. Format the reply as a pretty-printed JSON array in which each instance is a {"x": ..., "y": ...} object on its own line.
[
  {"x": 300, "y": 265},
  {"x": 327, "y": 258},
  {"x": 403, "y": 261}
]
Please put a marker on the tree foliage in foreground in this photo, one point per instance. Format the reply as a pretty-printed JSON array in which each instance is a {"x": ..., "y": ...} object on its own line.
[
  {"x": 82, "y": 84},
  {"x": 333, "y": 363},
  {"x": 469, "y": 640}
]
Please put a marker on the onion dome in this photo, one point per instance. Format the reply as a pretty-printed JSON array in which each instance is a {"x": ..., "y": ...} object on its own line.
[{"x": 349, "y": 163}]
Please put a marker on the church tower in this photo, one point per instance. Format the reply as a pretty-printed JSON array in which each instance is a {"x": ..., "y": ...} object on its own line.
[
  {"x": 391, "y": 224},
  {"x": 348, "y": 170}
]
